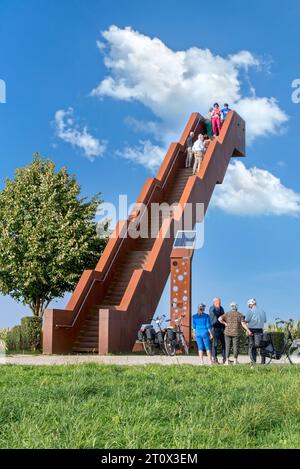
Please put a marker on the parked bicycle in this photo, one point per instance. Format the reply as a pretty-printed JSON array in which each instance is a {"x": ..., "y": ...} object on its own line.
[
  {"x": 174, "y": 339},
  {"x": 151, "y": 338},
  {"x": 266, "y": 348}
]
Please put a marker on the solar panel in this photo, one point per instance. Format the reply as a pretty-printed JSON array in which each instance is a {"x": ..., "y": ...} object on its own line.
[{"x": 185, "y": 239}]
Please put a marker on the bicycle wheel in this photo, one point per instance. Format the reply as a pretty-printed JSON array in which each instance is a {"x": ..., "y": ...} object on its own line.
[
  {"x": 184, "y": 346},
  {"x": 149, "y": 348},
  {"x": 170, "y": 346},
  {"x": 161, "y": 343},
  {"x": 258, "y": 357},
  {"x": 293, "y": 353}
]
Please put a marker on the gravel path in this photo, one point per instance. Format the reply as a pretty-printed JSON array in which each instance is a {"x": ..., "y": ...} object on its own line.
[{"x": 107, "y": 360}]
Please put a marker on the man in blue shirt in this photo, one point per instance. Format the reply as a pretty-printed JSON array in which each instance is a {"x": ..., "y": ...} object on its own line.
[
  {"x": 225, "y": 111},
  {"x": 256, "y": 319},
  {"x": 215, "y": 312}
]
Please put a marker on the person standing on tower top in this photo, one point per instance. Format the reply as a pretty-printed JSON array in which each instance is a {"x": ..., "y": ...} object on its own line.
[{"x": 216, "y": 119}]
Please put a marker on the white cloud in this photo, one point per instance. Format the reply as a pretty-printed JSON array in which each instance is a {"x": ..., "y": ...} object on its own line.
[
  {"x": 67, "y": 131},
  {"x": 149, "y": 127},
  {"x": 145, "y": 153},
  {"x": 255, "y": 191},
  {"x": 172, "y": 84},
  {"x": 244, "y": 59},
  {"x": 263, "y": 116}
]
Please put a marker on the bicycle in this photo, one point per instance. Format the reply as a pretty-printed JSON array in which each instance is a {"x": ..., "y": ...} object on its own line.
[
  {"x": 152, "y": 340},
  {"x": 174, "y": 339},
  {"x": 268, "y": 351}
]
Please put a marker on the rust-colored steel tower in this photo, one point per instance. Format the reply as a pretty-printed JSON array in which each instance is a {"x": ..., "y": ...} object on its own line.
[{"x": 111, "y": 301}]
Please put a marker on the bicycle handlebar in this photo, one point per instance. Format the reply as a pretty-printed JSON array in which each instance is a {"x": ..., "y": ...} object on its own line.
[{"x": 281, "y": 321}]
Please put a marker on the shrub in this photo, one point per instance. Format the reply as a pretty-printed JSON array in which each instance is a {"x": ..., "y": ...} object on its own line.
[
  {"x": 278, "y": 340},
  {"x": 3, "y": 340},
  {"x": 14, "y": 339},
  {"x": 31, "y": 331},
  {"x": 3, "y": 334}
]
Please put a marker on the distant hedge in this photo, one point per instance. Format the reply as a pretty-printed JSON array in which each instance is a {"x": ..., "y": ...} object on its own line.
[
  {"x": 14, "y": 340},
  {"x": 27, "y": 337},
  {"x": 31, "y": 331}
]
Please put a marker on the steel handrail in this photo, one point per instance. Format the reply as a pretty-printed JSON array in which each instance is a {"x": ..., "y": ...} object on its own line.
[{"x": 67, "y": 326}]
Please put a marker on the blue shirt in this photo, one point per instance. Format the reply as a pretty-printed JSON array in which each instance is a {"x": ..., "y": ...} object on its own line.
[
  {"x": 256, "y": 318},
  {"x": 225, "y": 111},
  {"x": 201, "y": 324}
]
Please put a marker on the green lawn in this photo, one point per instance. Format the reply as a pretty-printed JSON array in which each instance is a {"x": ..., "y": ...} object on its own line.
[{"x": 95, "y": 406}]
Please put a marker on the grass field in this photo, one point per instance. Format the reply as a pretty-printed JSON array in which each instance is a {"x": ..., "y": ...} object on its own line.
[{"x": 94, "y": 406}]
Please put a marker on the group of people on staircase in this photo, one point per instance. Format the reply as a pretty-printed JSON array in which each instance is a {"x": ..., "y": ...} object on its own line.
[
  {"x": 196, "y": 149},
  {"x": 220, "y": 329}
]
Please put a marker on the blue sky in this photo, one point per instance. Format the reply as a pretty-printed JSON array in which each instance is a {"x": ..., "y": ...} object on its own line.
[{"x": 50, "y": 62}]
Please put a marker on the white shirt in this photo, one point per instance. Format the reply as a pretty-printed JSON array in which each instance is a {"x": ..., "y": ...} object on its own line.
[{"x": 198, "y": 146}]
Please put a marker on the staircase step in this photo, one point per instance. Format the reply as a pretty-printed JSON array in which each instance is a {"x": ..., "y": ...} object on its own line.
[
  {"x": 87, "y": 340},
  {"x": 85, "y": 349}
]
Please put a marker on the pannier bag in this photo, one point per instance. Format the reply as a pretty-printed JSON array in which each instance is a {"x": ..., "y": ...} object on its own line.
[
  {"x": 141, "y": 335},
  {"x": 171, "y": 334},
  {"x": 142, "y": 332},
  {"x": 266, "y": 339},
  {"x": 150, "y": 333},
  {"x": 262, "y": 339},
  {"x": 268, "y": 351}
]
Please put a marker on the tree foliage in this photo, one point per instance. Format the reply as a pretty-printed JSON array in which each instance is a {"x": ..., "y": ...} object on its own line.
[{"x": 47, "y": 234}]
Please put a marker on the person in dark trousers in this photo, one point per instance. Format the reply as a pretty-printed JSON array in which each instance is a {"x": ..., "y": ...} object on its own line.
[
  {"x": 189, "y": 150},
  {"x": 215, "y": 311},
  {"x": 256, "y": 319},
  {"x": 233, "y": 321}
]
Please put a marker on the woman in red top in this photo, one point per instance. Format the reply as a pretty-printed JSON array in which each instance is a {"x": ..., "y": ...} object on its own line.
[{"x": 216, "y": 119}]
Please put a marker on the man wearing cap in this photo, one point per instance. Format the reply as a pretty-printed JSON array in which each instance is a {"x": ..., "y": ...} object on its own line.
[
  {"x": 256, "y": 319},
  {"x": 203, "y": 333},
  {"x": 216, "y": 311}
]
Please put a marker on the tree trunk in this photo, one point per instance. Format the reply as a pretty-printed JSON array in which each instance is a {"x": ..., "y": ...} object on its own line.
[{"x": 37, "y": 307}]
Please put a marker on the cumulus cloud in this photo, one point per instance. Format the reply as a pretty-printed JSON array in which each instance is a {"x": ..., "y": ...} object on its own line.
[
  {"x": 172, "y": 84},
  {"x": 263, "y": 116},
  {"x": 145, "y": 154},
  {"x": 255, "y": 191},
  {"x": 66, "y": 130}
]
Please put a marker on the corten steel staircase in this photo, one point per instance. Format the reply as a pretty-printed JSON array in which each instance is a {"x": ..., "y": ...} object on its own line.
[{"x": 111, "y": 302}]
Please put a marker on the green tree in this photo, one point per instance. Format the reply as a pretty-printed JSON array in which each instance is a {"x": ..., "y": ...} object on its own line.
[{"x": 47, "y": 234}]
